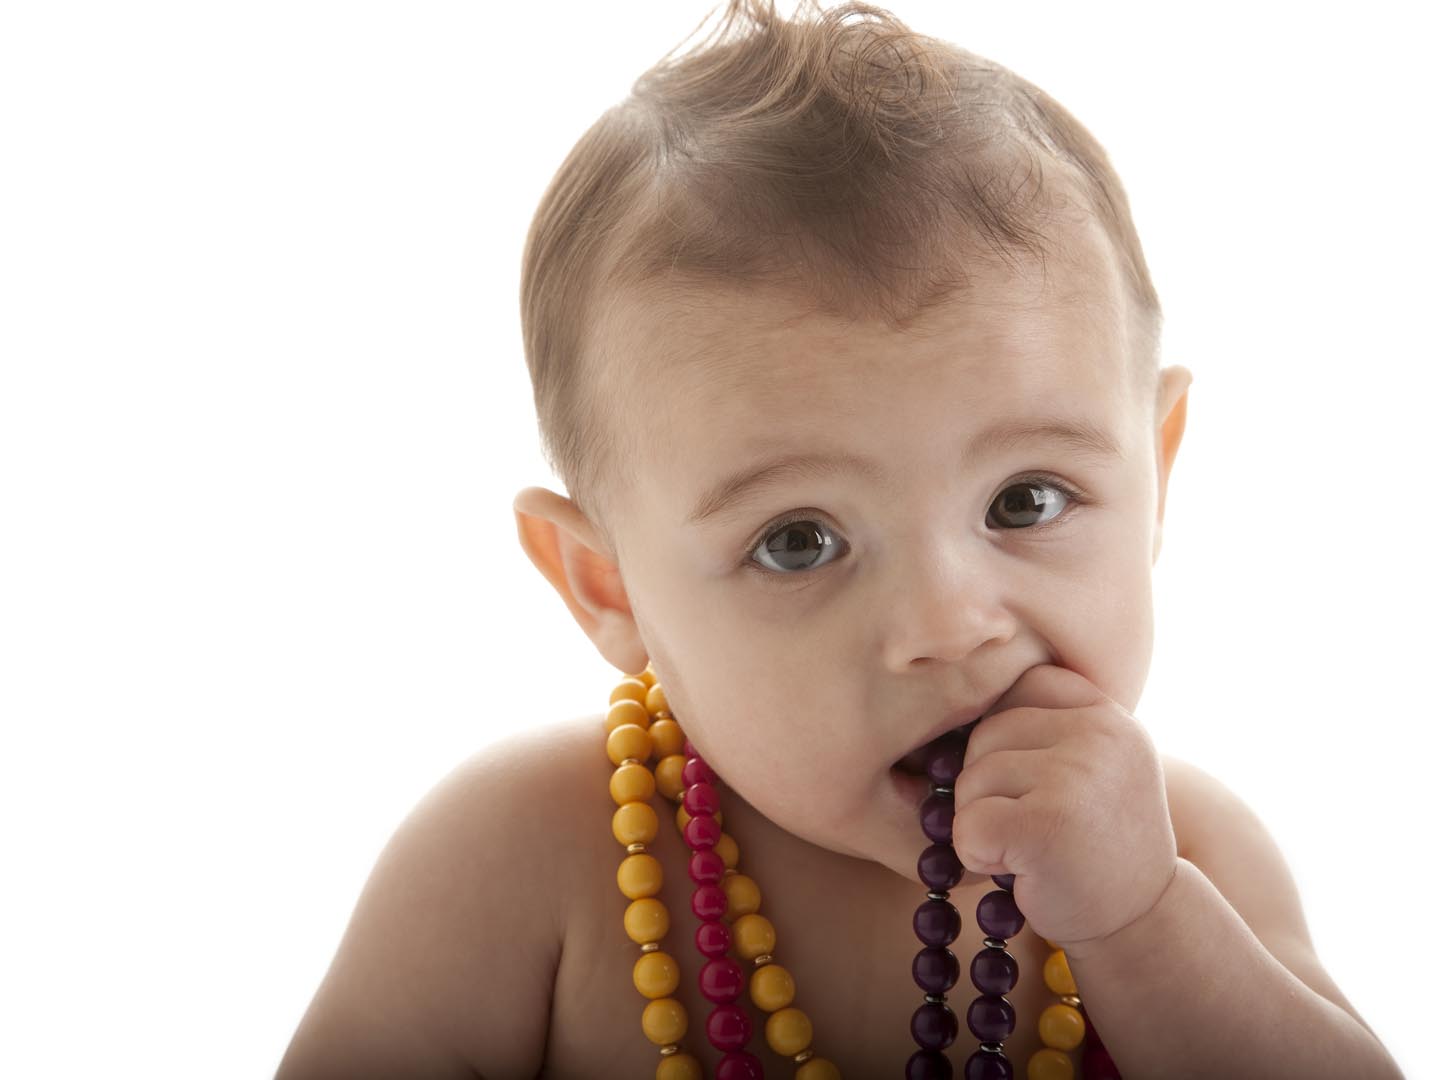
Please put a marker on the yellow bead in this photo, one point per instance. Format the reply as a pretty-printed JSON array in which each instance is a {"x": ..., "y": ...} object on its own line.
[
  {"x": 635, "y": 823},
  {"x": 626, "y": 711},
  {"x": 628, "y": 741},
  {"x": 772, "y": 987},
  {"x": 664, "y": 1021},
  {"x": 656, "y": 974},
  {"x": 1062, "y": 1027},
  {"x": 656, "y": 701},
  {"x": 632, "y": 783},
  {"x": 668, "y": 778},
  {"x": 817, "y": 1068},
  {"x": 647, "y": 676},
  {"x": 681, "y": 1066},
  {"x": 741, "y": 893},
  {"x": 629, "y": 687},
  {"x": 639, "y": 875},
  {"x": 1049, "y": 1065},
  {"x": 1057, "y": 974},
  {"x": 753, "y": 935},
  {"x": 789, "y": 1031},
  {"x": 727, "y": 849},
  {"x": 669, "y": 739},
  {"x": 647, "y": 919}
]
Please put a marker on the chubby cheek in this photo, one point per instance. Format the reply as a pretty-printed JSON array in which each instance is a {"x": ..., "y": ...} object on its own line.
[
  {"x": 1111, "y": 645},
  {"x": 777, "y": 756}
]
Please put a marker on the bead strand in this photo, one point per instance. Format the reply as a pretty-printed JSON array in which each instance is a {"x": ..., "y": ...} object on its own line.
[
  {"x": 639, "y": 713},
  {"x": 788, "y": 1030},
  {"x": 631, "y": 740},
  {"x": 721, "y": 979},
  {"x": 993, "y": 971}
]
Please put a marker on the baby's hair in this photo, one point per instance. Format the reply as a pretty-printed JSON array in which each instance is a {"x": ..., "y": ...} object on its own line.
[{"x": 844, "y": 159}]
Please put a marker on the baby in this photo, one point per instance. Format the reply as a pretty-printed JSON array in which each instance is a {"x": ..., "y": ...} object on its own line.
[{"x": 844, "y": 345}]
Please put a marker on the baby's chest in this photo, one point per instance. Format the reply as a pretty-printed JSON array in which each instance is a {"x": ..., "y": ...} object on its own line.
[{"x": 852, "y": 978}]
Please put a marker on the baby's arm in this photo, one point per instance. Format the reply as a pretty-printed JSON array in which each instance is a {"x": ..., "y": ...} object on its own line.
[{"x": 447, "y": 966}]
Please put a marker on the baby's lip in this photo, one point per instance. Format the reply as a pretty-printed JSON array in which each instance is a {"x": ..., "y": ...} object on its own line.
[{"x": 954, "y": 737}]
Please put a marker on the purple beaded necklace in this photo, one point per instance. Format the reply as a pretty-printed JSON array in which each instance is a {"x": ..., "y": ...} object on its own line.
[
  {"x": 935, "y": 969},
  {"x": 994, "y": 972}
]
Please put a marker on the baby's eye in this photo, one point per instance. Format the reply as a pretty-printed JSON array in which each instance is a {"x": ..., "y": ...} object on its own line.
[
  {"x": 798, "y": 544},
  {"x": 791, "y": 545},
  {"x": 1028, "y": 499}
]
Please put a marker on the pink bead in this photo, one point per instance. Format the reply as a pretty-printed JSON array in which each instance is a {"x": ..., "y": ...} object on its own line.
[
  {"x": 739, "y": 1066},
  {"x": 700, "y": 799},
  {"x": 689, "y": 750},
  {"x": 1096, "y": 1064},
  {"x": 728, "y": 1027},
  {"x": 696, "y": 772},
  {"x": 706, "y": 867},
  {"x": 712, "y": 938},
  {"x": 702, "y": 832},
  {"x": 721, "y": 980},
  {"x": 709, "y": 902}
]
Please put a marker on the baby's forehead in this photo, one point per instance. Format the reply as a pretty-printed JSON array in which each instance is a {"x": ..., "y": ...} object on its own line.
[
  {"x": 721, "y": 334},
  {"x": 1077, "y": 286}
]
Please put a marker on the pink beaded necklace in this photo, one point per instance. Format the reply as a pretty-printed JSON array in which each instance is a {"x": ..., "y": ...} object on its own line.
[{"x": 638, "y": 727}]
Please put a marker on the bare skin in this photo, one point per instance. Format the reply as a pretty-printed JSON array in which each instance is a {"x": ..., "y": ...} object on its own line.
[{"x": 803, "y": 661}]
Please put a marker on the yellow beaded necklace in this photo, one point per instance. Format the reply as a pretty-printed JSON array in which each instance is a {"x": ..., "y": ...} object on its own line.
[{"x": 639, "y": 727}]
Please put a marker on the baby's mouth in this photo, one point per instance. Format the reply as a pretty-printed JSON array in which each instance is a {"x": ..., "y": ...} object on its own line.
[{"x": 916, "y": 762}]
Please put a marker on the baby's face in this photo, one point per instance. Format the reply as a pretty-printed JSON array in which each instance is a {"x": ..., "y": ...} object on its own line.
[{"x": 812, "y": 628}]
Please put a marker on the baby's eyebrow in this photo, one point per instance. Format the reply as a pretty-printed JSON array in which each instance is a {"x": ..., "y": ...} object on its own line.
[{"x": 1079, "y": 435}]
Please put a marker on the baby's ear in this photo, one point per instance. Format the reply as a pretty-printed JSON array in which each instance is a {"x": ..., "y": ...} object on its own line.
[
  {"x": 1172, "y": 396},
  {"x": 566, "y": 547}
]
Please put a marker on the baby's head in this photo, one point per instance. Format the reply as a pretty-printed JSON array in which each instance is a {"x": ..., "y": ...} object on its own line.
[{"x": 845, "y": 348}]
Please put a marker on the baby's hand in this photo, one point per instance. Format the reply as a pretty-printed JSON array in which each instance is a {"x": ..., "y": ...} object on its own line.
[{"x": 1063, "y": 788}]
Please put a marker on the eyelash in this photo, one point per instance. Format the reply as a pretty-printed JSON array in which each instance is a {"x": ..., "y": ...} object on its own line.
[{"x": 1074, "y": 497}]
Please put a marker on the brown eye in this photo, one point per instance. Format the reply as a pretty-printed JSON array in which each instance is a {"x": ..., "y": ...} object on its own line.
[
  {"x": 795, "y": 546},
  {"x": 1029, "y": 503}
]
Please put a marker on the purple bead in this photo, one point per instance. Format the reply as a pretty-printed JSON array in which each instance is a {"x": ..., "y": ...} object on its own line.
[
  {"x": 940, "y": 868},
  {"x": 713, "y": 938},
  {"x": 934, "y": 1026},
  {"x": 990, "y": 1018},
  {"x": 935, "y": 969},
  {"x": 983, "y": 1065},
  {"x": 937, "y": 922},
  {"x": 944, "y": 765},
  {"x": 994, "y": 971},
  {"x": 1005, "y": 881},
  {"x": 701, "y": 798},
  {"x": 937, "y": 817},
  {"x": 997, "y": 914},
  {"x": 928, "y": 1065}
]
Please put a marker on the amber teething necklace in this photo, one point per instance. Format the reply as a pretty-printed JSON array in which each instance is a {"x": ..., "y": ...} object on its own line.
[{"x": 638, "y": 727}]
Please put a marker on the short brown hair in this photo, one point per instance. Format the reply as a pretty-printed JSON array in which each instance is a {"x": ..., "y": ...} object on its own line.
[{"x": 856, "y": 162}]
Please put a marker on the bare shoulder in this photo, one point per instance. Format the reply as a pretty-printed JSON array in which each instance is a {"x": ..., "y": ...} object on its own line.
[
  {"x": 448, "y": 964},
  {"x": 1225, "y": 839}
]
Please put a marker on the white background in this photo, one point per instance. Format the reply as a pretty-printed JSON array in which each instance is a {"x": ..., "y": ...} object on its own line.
[{"x": 264, "y": 410}]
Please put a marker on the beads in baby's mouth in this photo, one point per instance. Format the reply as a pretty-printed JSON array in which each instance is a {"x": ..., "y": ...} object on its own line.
[{"x": 993, "y": 971}]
